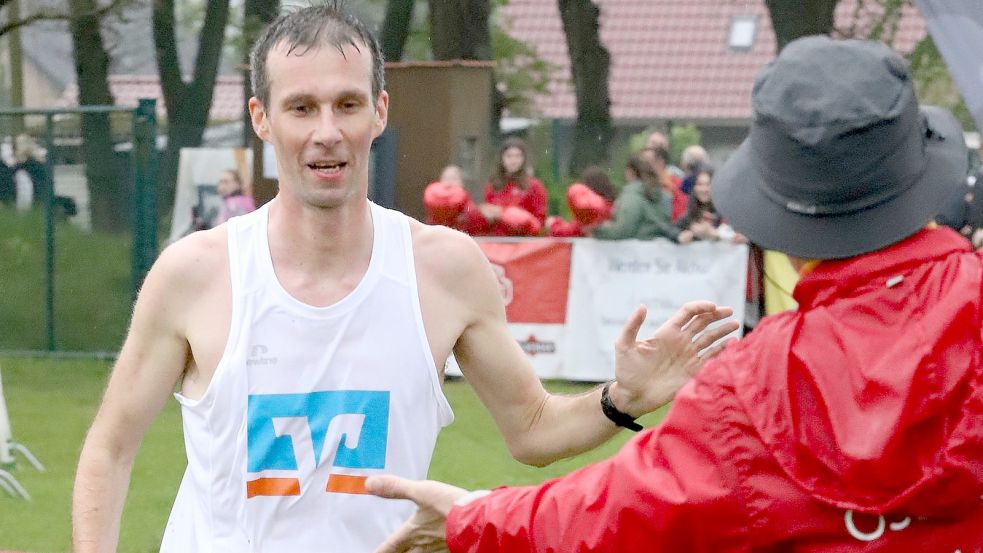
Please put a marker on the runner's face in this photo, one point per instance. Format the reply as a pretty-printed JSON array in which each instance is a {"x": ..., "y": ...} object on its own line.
[{"x": 321, "y": 122}]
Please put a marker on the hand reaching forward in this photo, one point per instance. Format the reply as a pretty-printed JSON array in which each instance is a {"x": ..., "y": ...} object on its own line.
[
  {"x": 649, "y": 372},
  {"x": 425, "y": 531}
]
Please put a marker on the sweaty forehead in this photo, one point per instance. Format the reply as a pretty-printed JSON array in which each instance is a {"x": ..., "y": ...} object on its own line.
[{"x": 288, "y": 63}]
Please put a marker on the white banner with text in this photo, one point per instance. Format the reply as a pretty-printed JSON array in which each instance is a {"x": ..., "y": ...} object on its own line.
[{"x": 567, "y": 300}]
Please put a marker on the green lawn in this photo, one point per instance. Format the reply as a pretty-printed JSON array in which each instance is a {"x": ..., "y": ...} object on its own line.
[
  {"x": 51, "y": 403},
  {"x": 92, "y": 285}
]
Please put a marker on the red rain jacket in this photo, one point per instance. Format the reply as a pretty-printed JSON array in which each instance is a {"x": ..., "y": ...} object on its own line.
[
  {"x": 533, "y": 199},
  {"x": 452, "y": 206},
  {"x": 587, "y": 207},
  {"x": 852, "y": 424}
]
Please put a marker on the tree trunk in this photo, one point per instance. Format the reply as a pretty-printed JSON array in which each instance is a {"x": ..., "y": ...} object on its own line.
[
  {"x": 589, "y": 65},
  {"x": 794, "y": 19},
  {"x": 188, "y": 103},
  {"x": 445, "y": 29},
  {"x": 258, "y": 13},
  {"x": 396, "y": 28},
  {"x": 459, "y": 29},
  {"x": 106, "y": 194}
]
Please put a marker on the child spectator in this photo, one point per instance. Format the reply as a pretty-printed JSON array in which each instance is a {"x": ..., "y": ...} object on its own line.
[
  {"x": 701, "y": 217},
  {"x": 515, "y": 202},
  {"x": 448, "y": 203},
  {"x": 234, "y": 201}
]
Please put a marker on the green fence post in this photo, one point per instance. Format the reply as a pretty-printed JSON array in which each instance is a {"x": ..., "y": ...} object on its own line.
[
  {"x": 49, "y": 233},
  {"x": 145, "y": 194}
]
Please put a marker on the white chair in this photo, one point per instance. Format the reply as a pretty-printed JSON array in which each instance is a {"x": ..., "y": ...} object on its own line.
[{"x": 8, "y": 447}]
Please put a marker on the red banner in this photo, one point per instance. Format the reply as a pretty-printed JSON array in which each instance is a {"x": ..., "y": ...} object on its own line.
[{"x": 534, "y": 277}]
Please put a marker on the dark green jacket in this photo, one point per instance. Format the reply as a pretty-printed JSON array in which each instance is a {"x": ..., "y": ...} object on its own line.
[{"x": 638, "y": 214}]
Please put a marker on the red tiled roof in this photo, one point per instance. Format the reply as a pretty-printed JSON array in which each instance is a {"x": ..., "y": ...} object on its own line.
[
  {"x": 669, "y": 58},
  {"x": 227, "y": 98}
]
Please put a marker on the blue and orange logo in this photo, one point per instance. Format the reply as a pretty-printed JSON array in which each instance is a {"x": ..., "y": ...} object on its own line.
[{"x": 268, "y": 451}]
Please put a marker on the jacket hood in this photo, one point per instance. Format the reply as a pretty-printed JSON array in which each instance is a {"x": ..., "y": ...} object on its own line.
[{"x": 870, "y": 396}]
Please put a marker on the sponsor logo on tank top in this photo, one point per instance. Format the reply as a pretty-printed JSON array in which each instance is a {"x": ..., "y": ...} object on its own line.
[{"x": 289, "y": 436}]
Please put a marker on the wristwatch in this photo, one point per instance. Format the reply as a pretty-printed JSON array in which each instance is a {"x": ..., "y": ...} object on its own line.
[{"x": 618, "y": 417}]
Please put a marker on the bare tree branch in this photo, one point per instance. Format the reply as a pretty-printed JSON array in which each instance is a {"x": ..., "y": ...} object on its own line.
[{"x": 53, "y": 16}]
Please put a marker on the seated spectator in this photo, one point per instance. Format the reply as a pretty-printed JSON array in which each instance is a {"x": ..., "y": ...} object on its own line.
[
  {"x": 702, "y": 217},
  {"x": 31, "y": 162},
  {"x": 639, "y": 211},
  {"x": 512, "y": 186},
  {"x": 448, "y": 203},
  {"x": 591, "y": 201},
  {"x": 675, "y": 200},
  {"x": 234, "y": 201},
  {"x": 8, "y": 190},
  {"x": 693, "y": 158}
]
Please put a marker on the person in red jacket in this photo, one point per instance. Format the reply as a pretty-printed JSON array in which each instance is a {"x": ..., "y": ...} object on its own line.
[
  {"x": 854, "y": 424},
  {"x": 515, "y": 202},
  {"x": 448, "y": 203},
  {"x": 591, "y": 201}
]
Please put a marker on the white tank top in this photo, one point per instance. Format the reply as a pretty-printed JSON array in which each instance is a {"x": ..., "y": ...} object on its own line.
[{"x": 307, "y": 402}]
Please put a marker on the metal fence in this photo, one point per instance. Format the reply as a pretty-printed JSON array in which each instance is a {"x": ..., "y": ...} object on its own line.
[{"x": 61, "y": 197}]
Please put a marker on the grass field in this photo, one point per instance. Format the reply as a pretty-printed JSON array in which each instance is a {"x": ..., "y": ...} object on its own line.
[
  {"x": 92, "y": 285},
  {"x": 51, "y": 404}
]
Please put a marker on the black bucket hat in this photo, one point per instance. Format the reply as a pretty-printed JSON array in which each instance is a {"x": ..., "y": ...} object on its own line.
[{"x": 840, "y": 160}]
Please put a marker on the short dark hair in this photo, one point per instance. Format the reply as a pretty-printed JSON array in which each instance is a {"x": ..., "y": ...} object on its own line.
[{"x": 312, "y": 27}]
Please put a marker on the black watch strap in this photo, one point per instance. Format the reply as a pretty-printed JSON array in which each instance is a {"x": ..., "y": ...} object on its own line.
[{"x": 620, "y": 418}]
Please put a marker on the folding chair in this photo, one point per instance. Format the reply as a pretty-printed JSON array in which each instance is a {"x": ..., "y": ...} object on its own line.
[{"x": 8, "y": 447}]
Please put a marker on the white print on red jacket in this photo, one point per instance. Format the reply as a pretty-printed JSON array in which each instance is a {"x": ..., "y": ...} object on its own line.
[{"x": 882, "y": 527}]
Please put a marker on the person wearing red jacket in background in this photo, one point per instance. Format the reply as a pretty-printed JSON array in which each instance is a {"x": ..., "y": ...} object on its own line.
[
  {"x": 854, "y": 424},
  {"x": 676, "y": 200},
  {"x": 448, "y": 203},
  {"x": 590, "y": 200},
  {"x": 515, "y": 202}
]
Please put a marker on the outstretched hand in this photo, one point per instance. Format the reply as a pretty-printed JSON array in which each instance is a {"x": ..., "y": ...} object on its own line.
[
  {"x": 649, "y": 372},
  {"x": 425, "y": 531}
]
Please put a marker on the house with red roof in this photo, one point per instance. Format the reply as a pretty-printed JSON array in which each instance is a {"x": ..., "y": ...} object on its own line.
[{"x": 680, "y": 61}]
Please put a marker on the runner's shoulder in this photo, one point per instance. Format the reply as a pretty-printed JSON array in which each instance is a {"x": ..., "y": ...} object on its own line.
[
  {"x": 445, "y": 252},
  {"x": 195, "y": 261}
]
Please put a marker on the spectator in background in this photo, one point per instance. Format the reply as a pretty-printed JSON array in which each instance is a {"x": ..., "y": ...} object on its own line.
[
  {"x": 235, "y": 202},
  {"x": 8, "y": 190},
  {"x": 694, "y": 157},
  {"x": 30, "y": 160},
  {"x": 590, "y": 200},
  {"x": 639, "y": 211},
  {"x": 675, "y": 200},
  {"x": 659, "y": 140},
  {"x": 31, "y": 163},
  {"x": 448, "y": 203},
  {"x": 515, "y": 202},
  {"x": 701, "y": 217}
]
